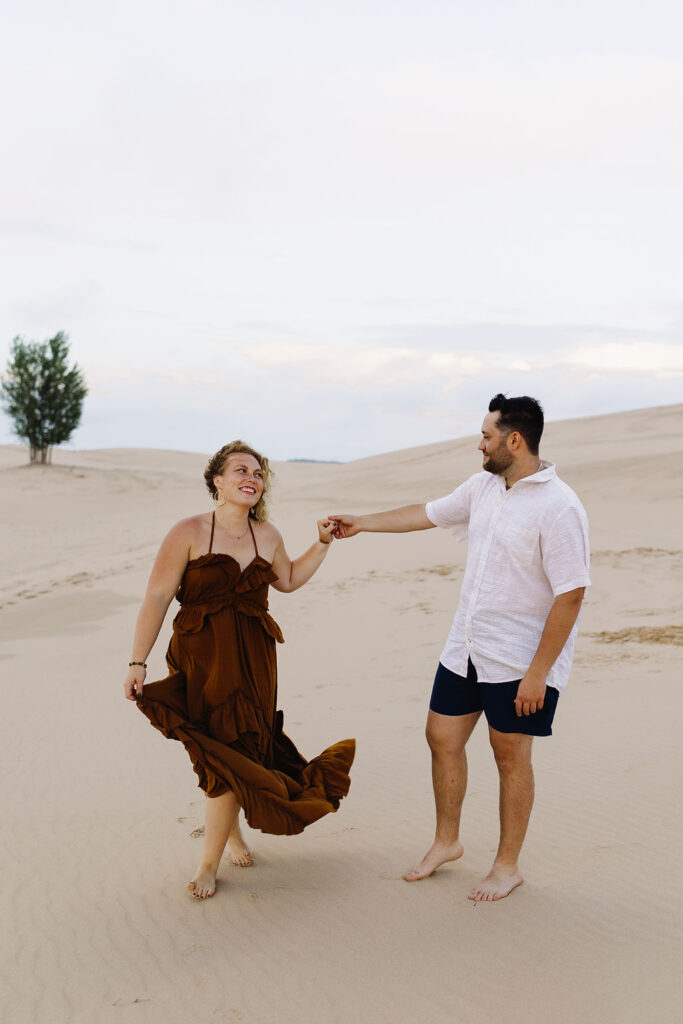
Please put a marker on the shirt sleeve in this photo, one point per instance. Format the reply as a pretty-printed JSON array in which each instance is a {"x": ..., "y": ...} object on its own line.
[
  {"x": 452, "y": 512},
  {"x": 566, "y": 552}
]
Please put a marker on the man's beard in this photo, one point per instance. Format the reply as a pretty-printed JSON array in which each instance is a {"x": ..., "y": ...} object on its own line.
[{"x": 498, "y": 461}]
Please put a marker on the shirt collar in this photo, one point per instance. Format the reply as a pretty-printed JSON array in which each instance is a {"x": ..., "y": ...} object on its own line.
[{"x": 541, "y": 476}]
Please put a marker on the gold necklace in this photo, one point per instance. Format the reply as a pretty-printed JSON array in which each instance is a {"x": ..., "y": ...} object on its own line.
[{"x": 230, "y": 535}]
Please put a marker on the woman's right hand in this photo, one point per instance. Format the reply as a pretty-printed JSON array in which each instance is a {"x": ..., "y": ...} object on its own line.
[{"x": 132, "y": 684}]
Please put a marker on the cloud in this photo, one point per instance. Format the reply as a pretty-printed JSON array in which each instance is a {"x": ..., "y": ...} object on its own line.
[
  {"x": 642, "y": 358},
  {"x": 380, "y": 368},
  {"x": 384, "y": 368}
]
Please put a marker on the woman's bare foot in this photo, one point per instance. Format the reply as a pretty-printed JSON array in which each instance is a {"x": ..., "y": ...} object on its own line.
[
  {"x": 498, "y": 884},
  {"x": 439, "y": 854},
  {"x": 203, "y": 884},
  {"x": 240, "y": 854}
]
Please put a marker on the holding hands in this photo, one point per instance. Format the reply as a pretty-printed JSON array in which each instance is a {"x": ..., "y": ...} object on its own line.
[
  {"x": 326, "y": 531},
  {"x": 344, "y": 526}
]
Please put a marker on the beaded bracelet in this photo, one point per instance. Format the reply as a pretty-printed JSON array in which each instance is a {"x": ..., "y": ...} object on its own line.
[{"x": 141, "y": 663}]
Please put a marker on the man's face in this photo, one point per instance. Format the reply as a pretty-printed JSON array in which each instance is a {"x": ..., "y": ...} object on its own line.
[{"x": 493, "y": 445}]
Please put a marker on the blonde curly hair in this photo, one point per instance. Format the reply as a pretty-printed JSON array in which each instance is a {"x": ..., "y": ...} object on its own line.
[{"x": 217, "y": 463}]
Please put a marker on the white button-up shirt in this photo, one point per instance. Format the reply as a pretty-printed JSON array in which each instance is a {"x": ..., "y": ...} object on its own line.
[{"x": 526, "y": 545}]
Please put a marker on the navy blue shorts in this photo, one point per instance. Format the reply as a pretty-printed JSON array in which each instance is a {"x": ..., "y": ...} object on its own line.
[{"x": 457, "y": 695}]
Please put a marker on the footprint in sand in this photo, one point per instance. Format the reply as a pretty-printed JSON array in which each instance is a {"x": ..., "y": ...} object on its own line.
[
  {"x": 298, "y": 888},
  {"x": 78, "y": 577},
  {"x": 196, "y": 948},
  {"x": 348, "y": 828}
]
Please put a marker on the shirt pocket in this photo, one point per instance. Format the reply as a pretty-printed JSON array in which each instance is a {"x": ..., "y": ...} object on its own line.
[{"x": 523, "y": 545}]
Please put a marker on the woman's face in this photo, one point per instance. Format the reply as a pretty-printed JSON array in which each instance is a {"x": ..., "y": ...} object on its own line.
[{"x": 241, "y": 481}]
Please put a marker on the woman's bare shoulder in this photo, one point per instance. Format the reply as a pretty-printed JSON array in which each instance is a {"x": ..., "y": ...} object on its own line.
[
  {"x": 190, "y": 531},
  {"x": 267, "y": 537},
  {"x": 267, "y": 530}
]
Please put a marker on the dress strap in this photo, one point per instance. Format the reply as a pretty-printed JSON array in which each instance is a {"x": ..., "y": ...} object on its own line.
[
  {"x": 253, "y": 537},
  {"x": 213, "y": 527}
]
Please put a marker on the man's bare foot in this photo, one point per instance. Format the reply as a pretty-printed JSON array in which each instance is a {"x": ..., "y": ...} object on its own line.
[
  {"x": 439, "y": 854},
  {"x": 203, "y": 884},
  {"x": 498, "y": 883},
  {"x": 240, "y": 854}
]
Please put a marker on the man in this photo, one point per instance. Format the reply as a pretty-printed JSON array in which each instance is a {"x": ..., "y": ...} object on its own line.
[{"x": 510, "y": 648}]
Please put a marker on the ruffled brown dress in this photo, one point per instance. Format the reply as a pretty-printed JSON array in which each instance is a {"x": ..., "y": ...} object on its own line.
[{"x": 220, "y": 699}]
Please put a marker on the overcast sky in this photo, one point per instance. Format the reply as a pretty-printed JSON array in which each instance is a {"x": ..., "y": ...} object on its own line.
[{"x": 337, "y": 228}]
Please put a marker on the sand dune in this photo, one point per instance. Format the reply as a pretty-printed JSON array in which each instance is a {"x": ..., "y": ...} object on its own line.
[{"x": 100, "y": 813}]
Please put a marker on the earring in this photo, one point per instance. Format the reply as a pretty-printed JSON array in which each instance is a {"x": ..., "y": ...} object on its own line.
[{"x": 217, "y": 495}]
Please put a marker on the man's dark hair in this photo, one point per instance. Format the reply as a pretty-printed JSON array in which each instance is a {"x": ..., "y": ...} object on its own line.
[{"x": 522, "y": 414}]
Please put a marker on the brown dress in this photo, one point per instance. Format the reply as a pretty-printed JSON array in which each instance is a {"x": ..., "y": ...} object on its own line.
[{"x": 219, "y": 699}]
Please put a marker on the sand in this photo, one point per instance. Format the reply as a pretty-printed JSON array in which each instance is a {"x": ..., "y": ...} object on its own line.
[{"x": 99, "y": 810}]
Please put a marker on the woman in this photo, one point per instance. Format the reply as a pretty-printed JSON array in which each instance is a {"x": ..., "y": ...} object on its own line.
[{"x": 219, "y": 698}]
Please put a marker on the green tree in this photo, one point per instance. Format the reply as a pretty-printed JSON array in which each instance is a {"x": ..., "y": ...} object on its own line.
[{"x": 42, "y": 394}]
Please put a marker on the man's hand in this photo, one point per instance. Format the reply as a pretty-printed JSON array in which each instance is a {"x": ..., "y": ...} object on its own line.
[
  {"x": 345, "y": 526},
  {"x": 558, "y": 626},
  {"x": 531, "y": 694},
  {"x": 394, "y": 520}
]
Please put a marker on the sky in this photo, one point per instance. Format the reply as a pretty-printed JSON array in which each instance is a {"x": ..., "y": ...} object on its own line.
[{"x": 337, "y": 229}]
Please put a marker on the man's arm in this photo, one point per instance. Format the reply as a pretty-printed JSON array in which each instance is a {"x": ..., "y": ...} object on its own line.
[
  {"x": 395, "y": 520},
  {"x": 561, "y": 618}
]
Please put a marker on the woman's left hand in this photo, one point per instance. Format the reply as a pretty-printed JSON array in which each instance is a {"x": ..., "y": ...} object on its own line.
[{"x": 326, "y": 530}]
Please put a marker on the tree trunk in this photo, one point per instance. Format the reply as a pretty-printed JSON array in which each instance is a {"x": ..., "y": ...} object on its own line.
[{"x": 41, "y": 454}]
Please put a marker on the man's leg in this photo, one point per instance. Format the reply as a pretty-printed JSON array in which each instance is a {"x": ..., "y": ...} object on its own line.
[
  {"x": 446, "y": 736},
  {"x": 512, "y": 752}
]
